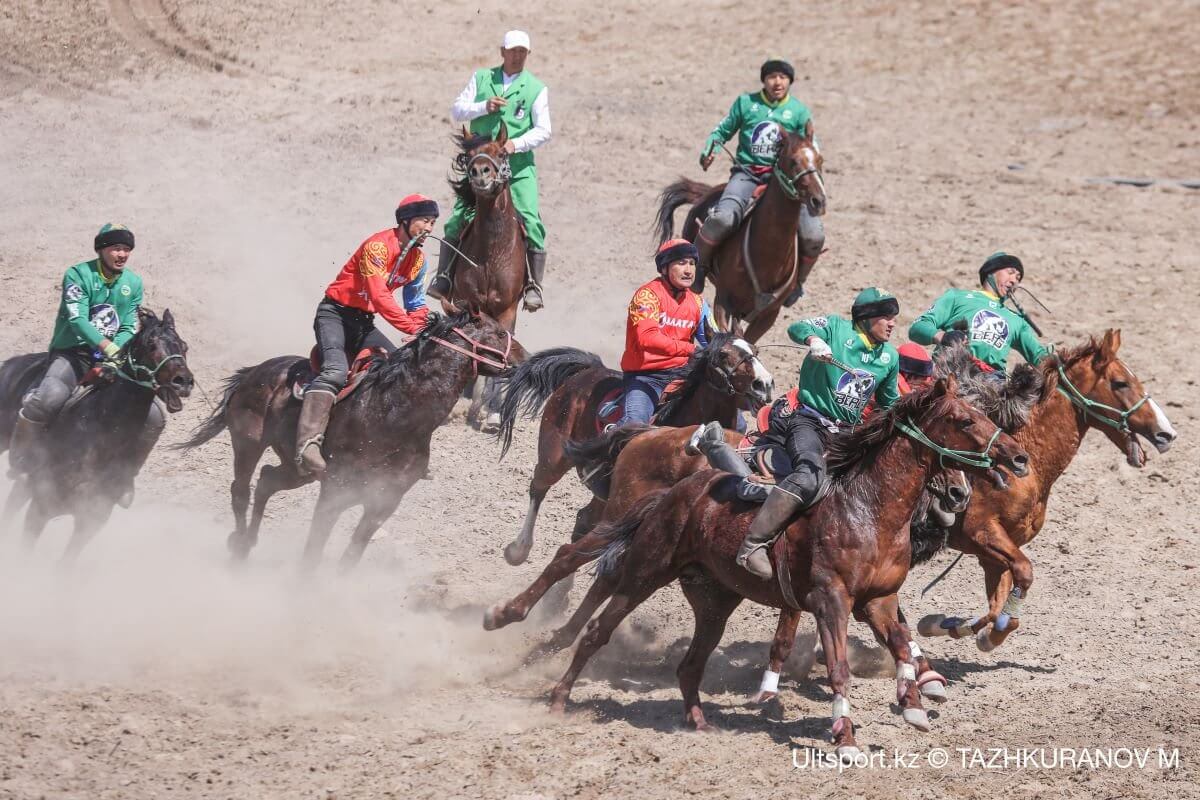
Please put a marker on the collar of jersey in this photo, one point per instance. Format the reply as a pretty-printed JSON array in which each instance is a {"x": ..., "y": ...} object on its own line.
[
  {"x": 100, "y": 272},
  {"x": 866, "y": 340},
  {"x": 762, "y": 93}
]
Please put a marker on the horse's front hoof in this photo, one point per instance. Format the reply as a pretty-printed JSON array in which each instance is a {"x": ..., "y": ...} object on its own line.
[
  {"x": 934, "y": 690},
  {"x": 931, "y": 625},
  {"x": 491, "y": 424},
  {"x": 846, "y": 753},
  {"x": 917, "y": 717},
  {"x": 984, "y": 641},
  {"x": 492, "y": 617},
  {"x": 515, "y": 554},
  {"x": 763, "y": 697}
]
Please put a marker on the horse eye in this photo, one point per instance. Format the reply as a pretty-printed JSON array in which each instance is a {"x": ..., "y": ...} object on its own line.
[
  {"x": 1119, "y": 385},
  {"x": 963, "y": 424}
]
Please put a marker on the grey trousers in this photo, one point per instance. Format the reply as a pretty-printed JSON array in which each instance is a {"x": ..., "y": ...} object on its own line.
[
  {"x": 67, "y": 367},
  {"x": 727, "y": 214}
]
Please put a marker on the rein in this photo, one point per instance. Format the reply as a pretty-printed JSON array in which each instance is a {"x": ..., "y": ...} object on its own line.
[
  {"x": 476, "y": 346},
  {"x": 1089, "y": 406},
  {"x": 788, "y": 182},
  {"x": 968, "y": 457},
  {"x": 135, "y": 368}
]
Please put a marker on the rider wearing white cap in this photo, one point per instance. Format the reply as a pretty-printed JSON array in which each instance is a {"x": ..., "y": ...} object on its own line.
[{"x": 511, "y": 95}]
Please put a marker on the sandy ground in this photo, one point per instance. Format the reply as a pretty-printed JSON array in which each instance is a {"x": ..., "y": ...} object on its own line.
[{"x": 252, "y": 145}]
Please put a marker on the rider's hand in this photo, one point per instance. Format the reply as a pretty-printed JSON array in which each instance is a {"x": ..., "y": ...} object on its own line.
[
  {"x": 706, "y": 161},
  {"x": 494, "y": 104},
  {"x": 510, "y": 147},
  {"x": 951, "y": 338},
  {"x": 110, "y": 350},
  {"x": 818, "y": 349},
  {"x": 433, "y": 318}
]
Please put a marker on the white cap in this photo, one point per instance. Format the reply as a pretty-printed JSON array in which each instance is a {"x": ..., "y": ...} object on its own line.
[{"x": 516, "y": 39}]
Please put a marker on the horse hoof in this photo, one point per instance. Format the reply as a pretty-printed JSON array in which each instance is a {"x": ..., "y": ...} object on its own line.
[
  {"x": 491, "y": 620},
  {"x": 558, "y": 708},
  {"x": 515, "y": 555},
  {"x": 848, "y": 752},
  {"x": 984, "y": 642},
  {"x": 917, "y": 717},
  {"x": 491, "y": 424},
  {"x": 237, "y": 546},
  {"x": 935, "y": 691},
  {"x": 931, "y": 625}
]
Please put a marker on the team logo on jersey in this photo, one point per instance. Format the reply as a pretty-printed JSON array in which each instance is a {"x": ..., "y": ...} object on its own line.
[
  {"x": 885, "y": 358},
  {"x": 853, "y": 392},
  {"x": 373, "y": 262},
  {"x": 125, "y": 291},
  {"x": 989, "y": 328},
  {"x": 787, "y": 113},
  {"x": 644, "y": 305},
  {"x": 820, "y": 322},
  {"x": 73, "y": 292},
  {"x": 765, "y": 140},
  {"x": 104, "y": 318}
]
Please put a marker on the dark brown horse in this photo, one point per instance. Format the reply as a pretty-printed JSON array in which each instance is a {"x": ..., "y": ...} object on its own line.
[
  {"x": 568, "y": 386},
  {"x": 758, "y": 265},
  {"x": 492, "y": 275},
  {"x": 848, "y": 555},
  {"x": 92, "y": 446},
  {"x": 377, "y": 444}
]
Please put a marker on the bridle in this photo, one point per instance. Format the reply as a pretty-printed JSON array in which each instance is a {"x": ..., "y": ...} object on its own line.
[
  {"x": 727, "y": 374},
  {"x": 971, "y": 458},
  {"x": 1089, "y": 406},
  {"x": 502, "y": 168},
  {"x": 788, "y": 182},
  {"x": 476, "y": 347},
  {"x": 135, "y": 369}
]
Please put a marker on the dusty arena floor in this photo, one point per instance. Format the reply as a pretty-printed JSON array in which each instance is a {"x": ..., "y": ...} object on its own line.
[{"x": 252, "y": 145}]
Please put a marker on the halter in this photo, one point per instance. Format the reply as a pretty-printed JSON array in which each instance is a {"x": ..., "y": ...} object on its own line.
[
  {"x": 135, "y": 368},
  {"x": 503, "y": 170},
  {"x": 788, "y": 182},
  {"x": 969, "y": 457},
  {"x": 473, "y": 353},
  {"x": 1088, "y": 406},
  {"x": 727, "y": 374}
]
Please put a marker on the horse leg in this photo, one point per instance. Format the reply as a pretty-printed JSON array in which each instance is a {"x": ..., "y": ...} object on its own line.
[
  {"x": 762, "y": 323},
  {"x": 246, "y": 453},
  {"x": 711, "y": 605},
  {"x": 331, "y": 502},
  {"x": 478, "y": 391},
  {"x": 376, "y": 511},
  {"x": 881, "y": 615},
  {"x": 601, "y": 589},
  {"x": 833, "y": 612},
  {"x": 1008, "y": 576},
  {"x": 550, "y": 469},
  {"x": 20, "y": 494},
  {"x": 558, "y": 597},
  {"x": 271, "y": 479},
  {"x": 931, "y": 682},
  {"x": 86, "y": 527},
  {"x": 781, "y": 648},
  {"x": 36, "y": 517},
  {"x": 491, "y": 422}
]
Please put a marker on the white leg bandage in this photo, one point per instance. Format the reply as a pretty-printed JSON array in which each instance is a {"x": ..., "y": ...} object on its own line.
[
  {"x": 770, "y": 682},
  {"x": 906, "y": 672},
  {"x": 841, "y": 707},
  {"x": 914, "y": 650}
]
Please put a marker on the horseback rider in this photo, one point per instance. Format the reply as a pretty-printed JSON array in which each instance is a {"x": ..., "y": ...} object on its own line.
[
  {"x": 916, "y": 368},
  {"x": 980, "y": 319},
  {"x": 345, "y": 320},
  {"x": 510, "y": 95},
  {"x": 848, "y": 364},
  {"x": 97, "y": 316},
  {"x": 759, "y": 119},
  {"x": 667, "y": 322}
]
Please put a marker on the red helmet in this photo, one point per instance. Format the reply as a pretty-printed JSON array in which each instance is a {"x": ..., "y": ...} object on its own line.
[
  {"x": 673, "y": 250},
  {"x": 415, "y": 205}
]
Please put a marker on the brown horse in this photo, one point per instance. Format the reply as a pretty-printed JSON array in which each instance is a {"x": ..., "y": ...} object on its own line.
[
  {"x": 377, "y": 444},
  {"x": 569, "y": 385},
  {"x": 758, "y": 265},
  {"x": 492, "y": 275},
  {"x": 850, "y": 553}
]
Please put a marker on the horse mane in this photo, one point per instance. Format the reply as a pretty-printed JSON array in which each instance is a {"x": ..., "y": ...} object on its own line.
[
  {"x": 692, "y": 374},
  {"x": 458, "y": 179},
  {"x": 1067, "y": 357},
  {"x": 1009, "y": 405},
  {"x": 400, "y": 365},
  {"x": 850, "y": 454}
]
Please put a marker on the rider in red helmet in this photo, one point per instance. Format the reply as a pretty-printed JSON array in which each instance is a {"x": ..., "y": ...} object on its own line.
[
  {"x": 916, "y": 368},
  {"x": 389, "y": 260}
]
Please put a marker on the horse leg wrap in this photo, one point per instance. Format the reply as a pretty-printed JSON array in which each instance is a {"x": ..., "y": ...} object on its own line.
[
  {"x": 914, "y": 650},
  {"x": 905, "y": 674},
  {"x": 841, "y": 708},
  {"x": 1011, "y": 610},
  {"x": 770, "y": 682}
]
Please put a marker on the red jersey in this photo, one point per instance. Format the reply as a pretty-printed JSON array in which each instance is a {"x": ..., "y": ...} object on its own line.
[
  {"x": 660, "y": 330},
  {"x": 364, "y": 282}
]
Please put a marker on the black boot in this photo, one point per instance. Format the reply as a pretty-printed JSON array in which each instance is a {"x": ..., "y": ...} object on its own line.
[
  {"x": 709, "y": 439},
  {"x": 802, "y": 273},
  {"x": 703, "y": 261},
  {"x": 25, "y": 446},
  {"x": 537, "y": 271},
  {"x": 310, "y": 431},
  {"x": 771, "y": 519},
  {"x": 441, "y": 286}
]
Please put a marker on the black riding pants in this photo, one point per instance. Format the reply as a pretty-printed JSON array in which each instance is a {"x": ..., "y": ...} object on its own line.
[
  {"x": 341, "y": 330},
  {"x": 804, "y": 437}
]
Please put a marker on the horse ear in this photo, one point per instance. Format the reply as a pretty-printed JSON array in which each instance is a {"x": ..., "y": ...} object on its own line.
[
  {"x": 145, "y": 316},
  {"x": 167, "y": 319},
  {"x": 502, "y": 137},
  {"x": 945, "y": 386},
  {"x": 1108, "y": 347}
]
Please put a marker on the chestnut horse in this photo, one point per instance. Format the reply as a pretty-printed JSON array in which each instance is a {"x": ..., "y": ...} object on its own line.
[
  {"x": 758, "y": 265},
  {"x": 850, "y": 553},
  {"x": 377, "y": 443},
  {"x": 569, "y": 385},
  {"x": 491, "y": 277}
]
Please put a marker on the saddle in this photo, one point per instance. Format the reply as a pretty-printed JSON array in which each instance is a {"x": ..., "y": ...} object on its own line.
[
  {"x": 303, "y": 372},
  {"x": 612, "y": 405}
]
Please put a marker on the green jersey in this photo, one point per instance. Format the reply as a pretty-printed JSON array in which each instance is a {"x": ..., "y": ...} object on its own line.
[
  {"x": 832, "y": 391},
  {"x": 517, "y": 115},
  {"x": 93, "y": 308},
  {"x": 993, "y": 328},
  {"x": 759, "y": 124}
]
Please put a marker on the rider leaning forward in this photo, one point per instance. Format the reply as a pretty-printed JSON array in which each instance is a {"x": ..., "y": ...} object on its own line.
[
  {"x": 759, "y": 120},
  {"x": 345, "y": 320}
]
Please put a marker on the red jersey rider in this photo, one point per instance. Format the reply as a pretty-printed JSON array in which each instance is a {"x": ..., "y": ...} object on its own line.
[
  {"x": 916, "y": 368},
  {"x": 665, "y": 326},
  {"x": 345, "y": 321}
]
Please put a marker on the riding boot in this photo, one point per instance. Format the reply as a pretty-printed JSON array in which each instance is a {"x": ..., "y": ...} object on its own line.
[
  {"x": 709, "y": 440},
  {"x": 441, "y": 285},
  {"x": 537, "y": 271},
  {"x": 25, "y": 446},
  {"x": 805, "y": 267},
  {"x": 771, "y": 519},
  {"x": 310, "y": 431},
  {"x": 706, "y": 249}
]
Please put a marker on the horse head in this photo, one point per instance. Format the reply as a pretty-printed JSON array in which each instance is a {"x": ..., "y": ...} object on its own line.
[
  {"x": 798, "y": 169},
  {"x": 158, "y": 357},
  {"x": 953, "y": 488},
  {"x": 960, "y": 435},
  {"x": 483, "y": 163},
  {"x": 1112, "y": 397},
  {"x": 732, "y": 366}
]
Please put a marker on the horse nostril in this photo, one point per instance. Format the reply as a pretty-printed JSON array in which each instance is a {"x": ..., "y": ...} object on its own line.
[
  {"x": 1164, "y": 437},
  {"x": 957, "y": 494}
]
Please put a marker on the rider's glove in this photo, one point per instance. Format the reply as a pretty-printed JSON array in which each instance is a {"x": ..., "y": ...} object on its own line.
[
  {"x": 951, "y": 338},
  {"x": 433, "y": 318},
  {"x": 111, "y": 351},
  {"x": 820, "y": 350}
]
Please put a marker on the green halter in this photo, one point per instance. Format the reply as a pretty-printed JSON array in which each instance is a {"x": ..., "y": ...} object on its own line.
[
  {"x": 136, "y": 368},
  {"x": 1089, "y": 406},
  {"x": 968, "y": 457},
  {"x": 788, "y": 182}
]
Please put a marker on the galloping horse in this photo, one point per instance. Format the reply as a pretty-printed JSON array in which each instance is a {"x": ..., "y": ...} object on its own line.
[
  {"x": 90, "y": 452},
  {"x": 758, "y": 265},
  {"x": 569, "y": 386},
  {"x": 493, "y": 240},
  {"x": 377, "y": 444},
  {"x": 849, "y": 553}
]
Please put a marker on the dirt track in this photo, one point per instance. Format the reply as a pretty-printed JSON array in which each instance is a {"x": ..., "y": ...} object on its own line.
[{"x": 251, "y": 145}]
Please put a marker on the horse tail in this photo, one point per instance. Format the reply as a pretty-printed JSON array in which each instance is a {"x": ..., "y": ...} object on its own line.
[
  {"x": 216, "y": 421},
  {"x": 618, "y": 533},
  {"x": 602, "y": 449},
  {"x": 682, "y": 192},
  {"x": 527, "y": 387}
]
